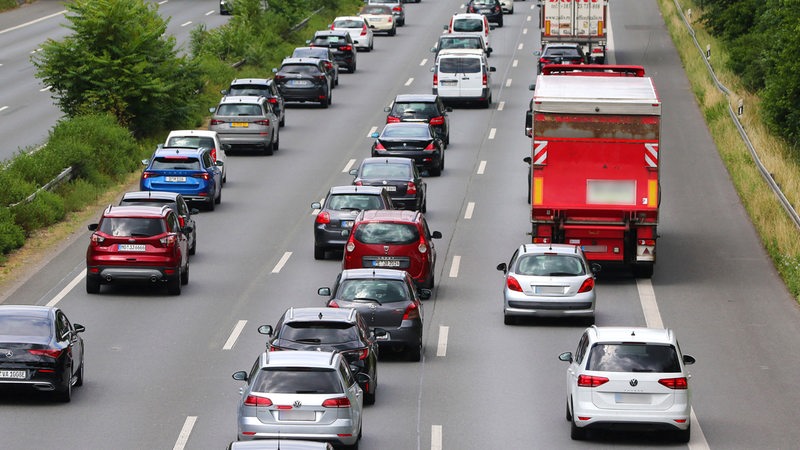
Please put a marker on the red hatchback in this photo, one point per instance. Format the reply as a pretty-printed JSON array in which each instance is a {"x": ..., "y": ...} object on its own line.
[
  {"x": 393, "y": 239},
  {"x": 138, "y": 243}
]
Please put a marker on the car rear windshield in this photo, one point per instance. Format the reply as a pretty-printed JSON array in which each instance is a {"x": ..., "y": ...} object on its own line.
[
  {"x": 310, "y": 52},
  {"x": 348, "y": 23},
  {"x": 459, "y": 42},
  {"x": 354, "y": 202},
  {"x": 297, "y": 380},
  {"x": 300, "y": 68},
  {"x": 24, "y": 326},
  {"x": 459, "y": 65},
  {"x": 387, "y": 233},
  {"x": 562, "y": 52},
  {"x": 415, "y": 109},
  {"x": 239, "y": 109},
  {"x": 249, "y": 89},
  {"x": 413, "y": 132},
  {"x": 376, "y": 10},
  {"x": 191, "y": 142},
  {"x": 550, "y": 265},
  {"x": 384, "y": 291},
  {"x": 633, "y": 357},
  {"x": 468, "y": 25},
  {"x": 319, "y": 332},
  {"x": 330, "y": 40},
  {"x": 132, "y": 226},
  {"x": 148, "y": 202},
  {"x": 167, "y": 163},
  {"x": 387, "y": 171}
]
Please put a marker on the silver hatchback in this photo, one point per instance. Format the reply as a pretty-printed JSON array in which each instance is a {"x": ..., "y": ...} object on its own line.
[
  {"x": 246, "y": 122},
  {"x": 548, "y": 280},
  {"x": 301, "y": 395}
]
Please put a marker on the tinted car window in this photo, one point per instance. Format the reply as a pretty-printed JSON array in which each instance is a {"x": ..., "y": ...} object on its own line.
[
  {"x": 161, "y": 163},
  {"x": 569, "y": 52},
  {"x": 350, "y": 201},
  {"x": 549, "y": 265},
  {"x": 406, "y": 132},
  {"x": 249, "y": 89},
  {"x": 415, "y": 108},
  {"x": 348, "y": 24},
  {"x": 239, "y": 109},
  {"x": 460, "y": 65},
  {"x": 385, "y": 171},
  {"x": 24, "y": 326},
  {"x": 385, "y": 291},
  {"x": 300, "y": 68},
  {"x": 459, "y": 42},
  {"x": 468, "y": 25},
  {"x": 377, "y": 10},
  {"x": 299, "y": 380},
  {"x": 387, "y": 233},
  {"x": 310, "y": 53},
  {"x": 633, "y": 357},
  {"x": 191, "y": 142},
  {"x": 132, "y": 226},
  {"x": 315, "y": 332},
  {"x": 329, "y": 40}
]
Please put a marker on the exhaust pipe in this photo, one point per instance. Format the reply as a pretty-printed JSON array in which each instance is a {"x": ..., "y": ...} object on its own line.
[
  {"x": 153, "y": 278},
  {"x": 108, "y": 278}
]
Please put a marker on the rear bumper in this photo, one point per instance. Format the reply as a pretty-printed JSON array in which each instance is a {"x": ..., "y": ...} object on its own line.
[
  {"x": 409, "y": 334},
  {"x": 328, "y": 432},
  {"x": 304, "y": 95},
  {"x": 110, "y": 274},
  {"x": 326, "y": 238}
]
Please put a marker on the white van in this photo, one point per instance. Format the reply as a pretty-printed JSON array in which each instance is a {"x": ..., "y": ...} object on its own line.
[
  {"x": 463, "y": 77},
  {"x": 470, "y": 23}
]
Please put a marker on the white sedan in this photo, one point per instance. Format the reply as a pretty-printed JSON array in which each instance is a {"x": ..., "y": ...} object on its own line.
[{"x": 359, "y": 30}]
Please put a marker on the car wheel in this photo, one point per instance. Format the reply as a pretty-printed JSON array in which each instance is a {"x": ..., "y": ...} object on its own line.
[
  {"x": 414, "y": 354},
  {"x": 568, "y": 415},
  {"x": 336, "y": 81},
  {"x": 269, "y": 149},
  {"x": 330, "y": 97},
  {"x": 371, "y": 45},
  {"x": 488, "y": 102},
  {"x": 319, "y": 252},
  {"x": 92, "y": 286},
  {"x": 65, "y": 393},
  {"x": 185, "y": 274},
  {"x": 431, "y": 282},
  {"x": 277, "y": 144},
  {"x": 511, "y": 11},
  {"x": 174, "y": 284},
  {"x": 79, "y": 378},
  {"x": 353, "y": 68},
  {"x": 393, "y": 31},
  {"x": 324, "y": 102},
  {"x": 424, "y": 207},
  {"x": 218, "y": 200},
  {"x": 369, "y": 399},
  {"x": 683, "y": 436},
  {"x": 436, "y": 171},
  {"x": 576, "y": 433},
  {"x": 509, "y": 320},
  {"x": 193, "y": 248},
  {"x": 500, "y": 24},
  {"x": 282, "y": 123},
  {"x": 447, "y": 139}
]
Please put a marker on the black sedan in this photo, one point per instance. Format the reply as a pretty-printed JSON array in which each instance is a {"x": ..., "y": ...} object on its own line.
[
  {"x": 417, "y": 141},
  {"x": 399, "y": 176},
  {"x": 40, "y": 349}
]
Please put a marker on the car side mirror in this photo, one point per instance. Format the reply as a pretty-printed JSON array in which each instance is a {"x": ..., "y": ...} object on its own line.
[
  {"x": 502, "y": 267},
  {"x": 424, "y": 293},
  {"x": 219, "y": 163},
  {"x": 433, "y": 49},
  {"x": 78, "y": 328},
  {"x": 224, "y": 92},
  {"x": 688, "y": 360},
  {"x": 527, "y": 159},
  {"x": 274, "y": 70},
  {"x": 211, "y": 110},
  {"x": 566, "y": 357},
  {"x": 379, "y": 332},
  {"x": 265, "y": 330},
  {"x": 489, "y": 50},
  {"x": 240, "y": 375},
  {"x": 308, "y": 41},
  {"x": 537, "y": 53},
  {"x": 532, "y": 86},
  {"x": 448, "y": 109},
  {"x": 374, "y": 135},
  {"x": 596, "y": 268},
  {"x": 528, "y": 123},
  {"x": 492, "y": 69},
  {"x": 353, "y": 172},
  {"x": 324, "y": 291},
  {"x": 145, "y": 162},
  {"x": 387, "y": 109},
  {"x": 445, "y": 27},
  {"x": 436, "y": 235},
  {"x": 92, "y": 227}
]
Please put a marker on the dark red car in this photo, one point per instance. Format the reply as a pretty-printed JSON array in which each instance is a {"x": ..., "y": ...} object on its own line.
[
  {"x": 138, "y": 243},
  {"x": 393, "y": 239}
]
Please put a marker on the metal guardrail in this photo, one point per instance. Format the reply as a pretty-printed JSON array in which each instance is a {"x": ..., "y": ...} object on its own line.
[
  {"x": 787, "y": 205},
  {"x": 63, "y": 177}
]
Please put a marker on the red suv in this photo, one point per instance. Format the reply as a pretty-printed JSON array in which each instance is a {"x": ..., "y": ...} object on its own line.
[
  {"x": 393, "y": 239},
  {"x": 132, "y": 243}
]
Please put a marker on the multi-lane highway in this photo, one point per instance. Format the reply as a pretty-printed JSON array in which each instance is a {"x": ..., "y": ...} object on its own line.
[{"x": 158, "y": 367}]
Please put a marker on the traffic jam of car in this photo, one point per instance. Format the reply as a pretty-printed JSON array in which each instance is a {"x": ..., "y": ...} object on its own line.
[{"x": 321, "y": 364}]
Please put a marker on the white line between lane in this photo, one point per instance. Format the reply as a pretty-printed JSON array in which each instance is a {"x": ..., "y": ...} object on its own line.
[
  {"x": 423, "y": 62},
  {"x": 32, "y": 22},
  {"x": 508, "y": 82},
  {"x": 350, "y": 163},
  {"x": 698, "y": 440},
  {"x": 533, "y": 6},
  {"x": 529, "y": 18},
  {"x": 519, "y": 47},
  {"x": 183, "y": 437},
  {"x": 67, "y": 288},
  {"x": 282, "y": 262},
  {"x": 524, "y": 31},
  {"x": 514, "y": 63},
  {"x": 470, "y": 210},
  {"x": 436, "y": 437},
  {"x": 237, "y": 330},
  {"x": 492, "y": 133},
  {"x": 481, "y": 168},
  {"x": 454, "y": 266},
  {"x": 501, "y": 105},
  {"x": 3, "y": 108},
  {"x": 410, "y": 80},
  {"x": 186, "y": 23},
  {"x": 210, "y": 12},
  {"x": 441, "y": 348},
  {"x": 163, "y": 1},
  {"x": 371, "y": 130}
]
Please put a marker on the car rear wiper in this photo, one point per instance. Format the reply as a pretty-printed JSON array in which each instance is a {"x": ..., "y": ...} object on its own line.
[
  {"x": 367, "y": 299},
  {"x": 307, "y": 391},
  {"x": 309, "y": 341},
  {"x": 348, "y": 208}
]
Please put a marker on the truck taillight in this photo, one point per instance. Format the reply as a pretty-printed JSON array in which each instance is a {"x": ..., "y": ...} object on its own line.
[
  {"x": 513, "y": 284},
  {"x": 252, "y": 400},
  {"x": 412, "y": 312},
  {"x": 591, "y": 381},
  {"x": 647, "y": 242},
  {"x": 323, "y": 218},
  {"x": 588, "y": 285},
  {"x": 438, "y": 120},
  {"x": 675, "y": 383},
  {"x": 411, "y": 188},
  {"x": 597, "y": 50}
]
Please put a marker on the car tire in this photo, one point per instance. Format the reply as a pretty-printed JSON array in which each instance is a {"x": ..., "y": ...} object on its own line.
[
  {"x": 500, "y": 24},
  {"x": 174, "y": 284},
  {"x": 185, "y": 275},
  {"x": 509, "y": 320},
  {"x": 79, "y": 375},
  {"x": 277, "y": 144},
  {"x": 393, "y": 31},
  {"x": 64, "y": 394},
  {"x": 325, "y": 102},
  {"x": 92, "y": 286},
  {"x": 683, "y": 436},
  {"x": 352, "y": 68},
  {"x": 193, "y": 248},
  {"x": 568, "y": 415},
  {"x": 402, "y": 24},
  {"x": 218, "y": 200},
  {"x": 424, "y": 207},
  {"x": 447, "y": 140},
  {"x": 319, "y": 252},
  {"x": 510, "y": 11},
  {"x": 488, "y": 103},
  {"x": 269, "y": 149},
  {"x": 576, "y": 433},
  {"x": 282, "y": 123},
  {"x": 437, "y": 171},
  {"x": 330, "y": 97},
  {"x": 371, "y": 46},
  {"x": 336, "y": 81},
  {"x": 369, "y": 399},
  {"x": 414, "y": 354}
]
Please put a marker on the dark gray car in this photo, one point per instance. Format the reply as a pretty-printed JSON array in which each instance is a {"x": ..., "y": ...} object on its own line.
[
  {"x": 399, "y": 176},
  {"x": 175, "y": 201}
]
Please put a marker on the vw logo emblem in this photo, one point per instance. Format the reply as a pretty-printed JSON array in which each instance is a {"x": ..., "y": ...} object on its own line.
[
  {"x": 633, "y": 382},
  {"x": 297, "y": 404}
]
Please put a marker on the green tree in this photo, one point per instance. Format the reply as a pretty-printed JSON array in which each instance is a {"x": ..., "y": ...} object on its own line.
[{"x": 119, "y": 60}]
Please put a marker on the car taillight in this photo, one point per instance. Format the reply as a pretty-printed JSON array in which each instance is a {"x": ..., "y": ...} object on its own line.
[
  {"x": 435, "y": 79},
  {"x": 205, "y": 175},
  {"x": 411, "y": 188},
  {"x": 273, "y": 348},
  {"x": 363, "y": 353},
  {"x": 379, "y": 146},
  {"x": 358, "y": 183},
  {"x": 430, "y": 147},
  {"x": 438, "y": 120},
  {"x": 364, "y": 30},
  {"x": 146, "y": 175},
  {"x": 214, "y": 154},
  {"x": 217, "y": 122},
  {"x": 168, "y": 240},
  {"x": 543, "y": 60},
  {"x": 333, "y": 304},
  {"x": 350, "y": 246},
  {"x": 397, "y": 8},
  {"x": 675, "y": 383},
  {"x": 346, "y": 48},
  {"x": 272, "y": 100},
  {"x": 328, "y": 65},
  {"x": 597, "y": 50},
  {"x": 422, "y": 247},
  {"x": 591, "y": 381},
  {"x": 485, "y": 79},
  {"x": 390, "y": 19},
  {"x": 412, "y": 312},
  {"x": 323, "y": 217},
  {"x": 392, "y": 119},
  {"x": 264, "y": 122},
  {"x": 338, "y": 402},
  {"x": 588, "y": 285},
  {"x": 252, "y": 400},
  {"x": 333, "y": 26},
  {"x": 496, "y": 9},
  {"x": 49, "y": 352},
  {"x": 181, "y": 221},
  {"x": 513, "y": 284},
  {"x": 279, "y": 77},
  {"x": 97, "y": 239}
]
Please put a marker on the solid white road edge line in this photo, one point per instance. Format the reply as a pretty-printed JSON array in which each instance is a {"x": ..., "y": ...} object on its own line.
[
  {"x": 282, "y": 262},
  {"x": 441, "y": 348},
  {"x": 652, "y": 317},
  {"x": 436, "y": 437},
  {"x": 350, "y": 163},
  {"x": 67, "y": 288},
  {"x": 237, "y": 330},
  {"x": 481, "y": 167},
  {"x": 183, "y": 437},
  {"x": 470, "y": 209},
  {"x": 454, "y": 266}
]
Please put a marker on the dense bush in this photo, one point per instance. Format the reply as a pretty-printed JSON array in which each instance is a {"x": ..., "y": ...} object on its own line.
[
  {"x": 46, "y": 209},
  {"x": 12, "y": 236}
]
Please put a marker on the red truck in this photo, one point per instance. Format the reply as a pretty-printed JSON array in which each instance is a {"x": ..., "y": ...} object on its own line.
[{"x": 594, "y": 179}]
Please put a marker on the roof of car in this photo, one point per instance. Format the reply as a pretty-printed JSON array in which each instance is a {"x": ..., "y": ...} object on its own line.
[
  {"x": 298, "y": 358},
  {"x": 251, "y": 81},
  {"x": 160, "y": 195},
  {"x": 203, "y": 133},
  {"x": 348, "y": 18},
  {"x": 314, "y": 61},
  {"x": 418, "y": 98},
  {"x": 178, "y": 151},
  {"x": 562, "y": 44},
  {"x": 240, "y": 99},
  {"x": 462, "y": 35},
  {"x": 633, "y": 334},
  {"x": 26, "y": 310},
  {"x": 461, "y": 51},
  {"x": 392, "y": 274},
  {"x": 319, "y": 313},
  {"x": 388, "y": 160},
  {"x": 331, "y": 33},
  {"x": 467, "y": 16},
  {"x": 352, "y": 189},
  {"x": 548, "y": 248},
  {"x": 386, "y": 9},
  {"x": 394, "y": 215},
  {"x": 136, "y": 211}
]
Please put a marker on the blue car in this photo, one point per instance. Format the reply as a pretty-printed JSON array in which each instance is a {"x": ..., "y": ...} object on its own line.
[{"x": 189, "y": 172}]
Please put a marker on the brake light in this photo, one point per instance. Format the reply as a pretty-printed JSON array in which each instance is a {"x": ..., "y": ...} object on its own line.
[
  {"x": 435, "y": 78},
  {"x": 363, "y": 353},
  {"x": 392, "y": 119},
  {"x": 323, "y": 218},
  {"x": 346, "y": 48},
  {"x": 168, "y": 240},
  {"x": 513, "y": 284},
  {"x": 591, "y": 381},
  {"x": 217, "y": 122},
  {"x": 214, "y": 154},
  {"x": 279, "y": 77},
  {"x": 397, "y": 8},
  {"x": 333, "y": 304},
  {"x": 97, "y": 239},
  {"x": 264, "y": 122},
  {"x": 379, "y": 146},
  {"x": 675, "y": 383},
  {"x": 181, "y": 221},
  {"x": 272, "y": 348},
  {"x": 272, "y": 100},
  {"x": 390, "y": 19},
  {"x": 333, "y": 26},
  {"x": 358, "y": 183},
  {"x": 364, "y": 30},
  {"x": 205, "y": 175},
  {"x": 471, "y": 9},
  {"x": 49, "y": 352},
  {"x": 412, "y": 312},
  {"x": 338, "y": 402},
  {"x": 597, "y": 50},
  {"x": 422, "y": 247},
  {"x": 588, "y": 285},
  {"x": 252, "y": 400},
  {"x": 411, "y": 188},
  {"x": 146, "y": 175},
  {"x": 438, "y": 120},
  {"x": 350, "y": 246},
  {"x": 430, "y": 147},
  {"x": 328, "y": 65},
  {"x": 485, "y": 79}
]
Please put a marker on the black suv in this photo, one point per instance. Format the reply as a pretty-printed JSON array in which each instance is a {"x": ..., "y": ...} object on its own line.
[
  {"x": 489, "y": 8},
  {"x": 340, "y": 43},
  {"x": 330, "y": 329},
  {"x": 322, "y": 53},
  {"x": 560, "y": 53},
  {"x": 262, "y": 87},
  {"x": 337, "y": 212},
  {"x": 175, "y": 201},
  {"x": 304, "y": 80},
  {"x": 422, "y": 108}
]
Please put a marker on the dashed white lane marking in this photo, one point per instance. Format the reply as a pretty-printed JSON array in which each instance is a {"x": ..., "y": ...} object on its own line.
[
  {"x": 35, "y": 50},
  {"x": 524, "y": 31},
  {"x": 163, "y": 1},
  {"x": 508, "y": 82},
  {"x": 32, "y": 22},
  {"x": 436, "y": 437},
  {"x": 410, "y": 80},
  {"x": 282, "y": 262},
  {"x": 519, "y": 47},
  {"x": 533, "y": 6},
  {"x": 481, "y": 168},
  {"x": 186, "y": 24},
  {"x": 210, "y": 12},
  {"x": 454, "y": 266},
  {"x": 67, "y": 288},
  {"x": 529, "y": 18},
  {"x": 183, "y": 437},
  {"x": 441, "y": 348},
  {"x": 3, "y": 108},
  {"x": 237, "y": 330},
  {"x": 501, "y": 105},
  {"x": 350, "y": 163},
  {"x": 369, "y": 134},
  {"x": 470, "y": 209},
  {"x": 45, "y": 89},
  {"x": 423, "y": 62},
  {"x": 492, "y": 133},
  {"x": 514, "y": 63}
]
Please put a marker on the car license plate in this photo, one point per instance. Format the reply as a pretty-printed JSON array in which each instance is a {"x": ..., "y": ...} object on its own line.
[
  {"x": 175, "y": 179},
  {"x": 240, "y": 124},
  {"x": 298, "y": 83},
  {"x": 131, "y": 247},
  {"x": 390, "y": 188},
  {"x": 347, "y": 224},
  {"x": 484, "y": 11},
  {"x": 594, "y": 248},
  {"x": 296, "y": 414},
  {"x": 14, "y": 374},
  {"x": 448, "y": 82},
  {"x": 386, "y": 263},
  {"x": 635, "y": 399}
]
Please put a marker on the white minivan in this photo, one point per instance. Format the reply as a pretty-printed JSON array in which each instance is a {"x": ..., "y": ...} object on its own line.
[{"x": 463, "y": 77}]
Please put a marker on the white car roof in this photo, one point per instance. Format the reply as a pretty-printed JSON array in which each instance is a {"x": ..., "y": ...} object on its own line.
[
  {"x": 633, "y": 334},
  {"x": 203, "y": 133}
]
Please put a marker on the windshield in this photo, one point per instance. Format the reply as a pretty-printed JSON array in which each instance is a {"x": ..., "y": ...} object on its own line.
[
  {"x": 633, "y": 357},
  {"x": 388, "y": 171},
  {"x": 459, "y": 65},
  {"x": 249, "y": 89},
  {"x": 348, "y": 23},
  {"x": 297, "y": 380},
  {"x": 24, "y": 326},
  {"x": 414, "y": 132},
  {"x": 132, "y": 226},
  {"x": 319, "y": 332},
  {"x": 163, "y": 163},
  {"x": 239, "y": 109},
  {"x": 550, "y": 265},
  {"x": 300, "y": 68},
  {"x": 468, "y": 25},
  {"x": 191, "y": 142},
  {"x": 461, "y": 42},
  {"x": 384, "y": 291},
  {"x": 353, "y": 202},
  {"x": 387, "y": 233}
]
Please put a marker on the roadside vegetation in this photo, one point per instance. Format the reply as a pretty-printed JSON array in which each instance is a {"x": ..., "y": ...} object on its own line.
[
  {"x": 122, "y": 84},
  {"x": 774, "y": 137},
  {"x": 5, "y": 5}
]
